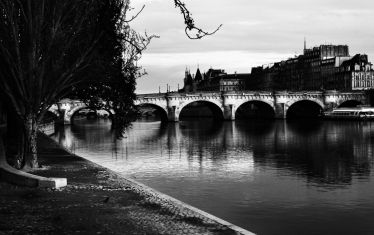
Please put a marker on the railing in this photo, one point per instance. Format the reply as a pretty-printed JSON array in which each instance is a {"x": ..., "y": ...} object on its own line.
[{"x": 245, "y": 92}]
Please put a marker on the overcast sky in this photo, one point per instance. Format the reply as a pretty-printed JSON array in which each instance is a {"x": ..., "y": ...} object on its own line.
[{"x": 254, "y": 32}]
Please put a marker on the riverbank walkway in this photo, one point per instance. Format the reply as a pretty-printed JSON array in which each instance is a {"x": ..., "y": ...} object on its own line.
[{"x": 95, "y": 201}]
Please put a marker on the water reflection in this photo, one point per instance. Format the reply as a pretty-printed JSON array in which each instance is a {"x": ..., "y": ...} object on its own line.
[
  {"x": 243, "y": 171},
  {"x": 323, "y": 152}
]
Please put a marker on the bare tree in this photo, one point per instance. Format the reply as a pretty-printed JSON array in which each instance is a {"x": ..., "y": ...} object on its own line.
[
  {"x": 192, "y": 31},
  {"x": 43, "y": 43}
]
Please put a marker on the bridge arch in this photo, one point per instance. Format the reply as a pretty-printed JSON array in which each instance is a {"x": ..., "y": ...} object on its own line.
[
  {"x": 349, "y": 103},
  {"x": 260, "y": 108},
  {"x": 162, "y": 111},
  {"x": 319, "y": 102},
  {"x": 304, "y": 108},
  {"x": 70, "y": 114},
  {"x": 54, "y": 112},
  {"x": 51, "y": 115},
  {"x": 214, "y": 106}
]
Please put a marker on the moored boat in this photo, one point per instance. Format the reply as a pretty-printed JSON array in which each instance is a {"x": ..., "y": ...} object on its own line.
[{"x": 356, "y": 113}]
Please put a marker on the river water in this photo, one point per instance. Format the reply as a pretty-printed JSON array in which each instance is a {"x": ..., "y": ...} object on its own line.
[{"x": 270, "y": 177}]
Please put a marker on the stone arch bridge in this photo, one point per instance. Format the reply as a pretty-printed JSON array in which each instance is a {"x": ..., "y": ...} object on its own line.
[
  {"x": 227, "y": 103},
  {"x": 65, "y": 109},
  {"x": 224, "y": 104}
]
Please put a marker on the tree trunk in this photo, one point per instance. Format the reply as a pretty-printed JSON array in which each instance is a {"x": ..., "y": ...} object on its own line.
[
  {"x": 15, "y": 140},
  {"x": 31, "y": 131}
]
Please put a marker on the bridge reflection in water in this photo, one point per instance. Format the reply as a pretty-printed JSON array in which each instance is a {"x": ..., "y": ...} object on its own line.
[{"x": 266, "y": 176}]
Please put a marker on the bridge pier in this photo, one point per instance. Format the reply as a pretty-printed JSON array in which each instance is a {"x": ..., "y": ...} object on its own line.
[
  {"x": 67, "y": 119},
  {"x": 228, "y": 112},
  {"x": 280, "y": 106},
  {"x": 173, "y": 116},
  {"x": 60, "y": 119},
  {"x": 63, "y": 120},
  {"x": 329, "y": 99},
  {"x": 280, "y": 111}
]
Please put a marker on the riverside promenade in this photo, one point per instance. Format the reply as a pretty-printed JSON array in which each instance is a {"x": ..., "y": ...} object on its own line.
[{"x": 96, "y": 201}]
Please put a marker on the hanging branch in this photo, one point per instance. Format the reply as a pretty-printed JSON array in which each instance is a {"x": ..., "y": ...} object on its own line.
[
  {"x": 190, "y": 23},
  {"x": 136, "y": 15}
]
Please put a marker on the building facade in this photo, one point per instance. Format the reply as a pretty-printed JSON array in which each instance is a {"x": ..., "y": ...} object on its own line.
[
  {"x": 214, "y": 80},
  {"x": 323, "y": 67}
]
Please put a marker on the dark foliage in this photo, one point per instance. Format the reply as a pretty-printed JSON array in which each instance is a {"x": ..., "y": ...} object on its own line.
[
  {"x": 43, "y": 45},
  {"x": 111, "y": 77}
]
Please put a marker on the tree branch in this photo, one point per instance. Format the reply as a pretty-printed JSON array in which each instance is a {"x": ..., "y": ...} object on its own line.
[
  {"x": 136, "y": 15},
  {"x": 191, "y": 30}
]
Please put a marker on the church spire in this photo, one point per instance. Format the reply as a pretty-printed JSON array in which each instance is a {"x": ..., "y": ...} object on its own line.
[{"x": 198, "y": 76}]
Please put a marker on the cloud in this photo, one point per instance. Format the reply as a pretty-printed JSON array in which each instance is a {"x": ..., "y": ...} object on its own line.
[
  {"x": 253, "y": 32},
  {"x": 169, "y": 68}
]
